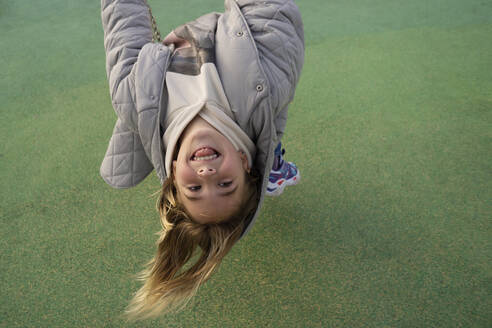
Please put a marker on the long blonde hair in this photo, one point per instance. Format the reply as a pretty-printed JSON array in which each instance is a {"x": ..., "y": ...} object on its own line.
[{"x": 168, "y": 286}]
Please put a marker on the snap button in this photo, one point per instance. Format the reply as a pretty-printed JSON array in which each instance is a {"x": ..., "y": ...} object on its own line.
[
  {"x": 239, "y": 33},
  {"x": 259, "y": 88},
  {"x": 152, "y": 97}
]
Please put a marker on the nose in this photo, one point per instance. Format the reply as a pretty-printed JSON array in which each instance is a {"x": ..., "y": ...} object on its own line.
[{"x": 205, "y": 171}]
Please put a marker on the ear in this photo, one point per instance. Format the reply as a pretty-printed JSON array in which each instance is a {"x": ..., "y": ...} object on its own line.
[
  {"x": 174, "y": 167},
  {"x": 244, "y": 160}
]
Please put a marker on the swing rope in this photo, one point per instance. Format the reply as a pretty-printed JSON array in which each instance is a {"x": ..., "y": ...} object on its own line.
[{"x": 156, "y": 35}]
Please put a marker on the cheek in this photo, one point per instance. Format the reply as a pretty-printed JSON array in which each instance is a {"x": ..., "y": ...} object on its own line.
[
  {"x": 184, "y": 174},
  {"x": 234, "y": 166}
]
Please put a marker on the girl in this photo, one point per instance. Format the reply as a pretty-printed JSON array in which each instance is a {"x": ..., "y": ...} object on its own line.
[{"x": 206, "y": 108}]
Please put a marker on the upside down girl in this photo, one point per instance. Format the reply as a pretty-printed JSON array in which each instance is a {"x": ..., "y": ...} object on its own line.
[{"x": 205, "y": 108}]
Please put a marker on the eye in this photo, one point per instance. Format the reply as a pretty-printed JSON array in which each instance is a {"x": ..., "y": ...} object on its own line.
[
  {"x": 194, "y": 188},
  {"x": 225, "y": 184}
]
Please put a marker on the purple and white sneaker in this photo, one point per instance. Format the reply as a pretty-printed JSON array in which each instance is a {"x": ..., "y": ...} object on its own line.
[{"x": 287, "y": 174}]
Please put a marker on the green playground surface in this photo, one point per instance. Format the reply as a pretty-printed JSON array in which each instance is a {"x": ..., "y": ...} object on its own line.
[{"x": 390, "y": 226}]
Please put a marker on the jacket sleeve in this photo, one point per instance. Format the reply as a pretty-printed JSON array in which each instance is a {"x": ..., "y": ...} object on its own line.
[
  {"x": 127, "y": 28},
  {"x": 278, "y": 32}
]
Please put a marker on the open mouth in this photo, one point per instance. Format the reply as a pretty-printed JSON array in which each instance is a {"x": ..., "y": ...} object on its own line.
[{"x": 205, "y": 154}]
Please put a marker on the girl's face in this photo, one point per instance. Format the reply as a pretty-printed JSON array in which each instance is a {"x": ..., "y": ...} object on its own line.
[{"x": 210, "y": 174}]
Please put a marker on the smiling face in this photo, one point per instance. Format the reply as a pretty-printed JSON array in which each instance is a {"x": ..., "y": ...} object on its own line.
[{"x": 209, "y": 173}]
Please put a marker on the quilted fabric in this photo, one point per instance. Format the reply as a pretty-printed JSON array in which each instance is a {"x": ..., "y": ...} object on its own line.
[
  {"x": 136, "y": 70},
  {"x": 125, "y": 163},
  {"x": 259, "y": 52}
]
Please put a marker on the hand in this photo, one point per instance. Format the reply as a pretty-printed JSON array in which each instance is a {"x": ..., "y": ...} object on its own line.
[{"x": 177, "y": 41}]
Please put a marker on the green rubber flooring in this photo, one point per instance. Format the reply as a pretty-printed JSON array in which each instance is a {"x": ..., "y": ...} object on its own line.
[{"x": 389, "y": 227}]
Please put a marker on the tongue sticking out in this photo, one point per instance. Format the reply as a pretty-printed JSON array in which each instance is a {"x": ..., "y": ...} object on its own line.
[{"x": 204, "y": 152}]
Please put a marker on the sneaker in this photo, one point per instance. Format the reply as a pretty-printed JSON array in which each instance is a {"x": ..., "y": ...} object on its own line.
[{"x": 286, "y": 175}]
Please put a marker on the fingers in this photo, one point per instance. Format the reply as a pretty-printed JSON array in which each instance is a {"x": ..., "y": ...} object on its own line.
[{"x": 177, "y": 41}]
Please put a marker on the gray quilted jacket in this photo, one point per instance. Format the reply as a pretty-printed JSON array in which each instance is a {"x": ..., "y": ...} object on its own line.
[{"x": 259, "y": 53}]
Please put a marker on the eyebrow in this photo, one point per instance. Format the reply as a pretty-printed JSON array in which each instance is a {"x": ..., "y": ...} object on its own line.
[{"x": 194, "y": 198}]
